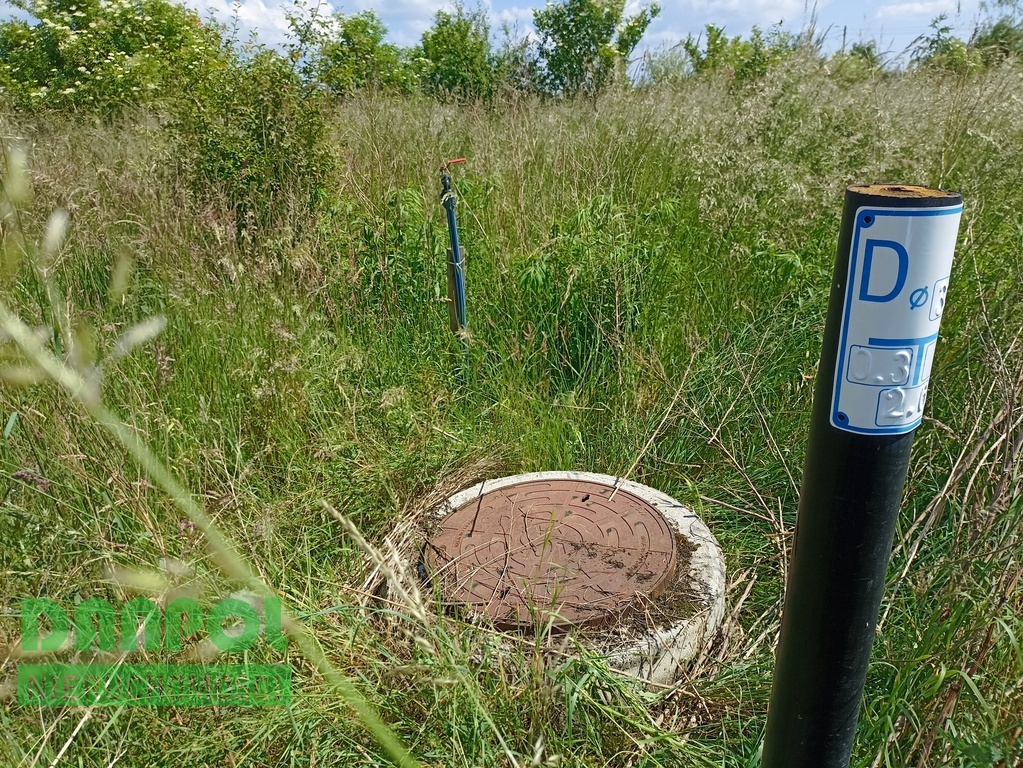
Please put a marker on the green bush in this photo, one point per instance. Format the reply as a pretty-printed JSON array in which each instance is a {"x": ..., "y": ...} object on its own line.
[
  {"x": 249, "y": 130},
  {"x": 258, "y": 137},
  {"x": 102, "y": 56},
  {"x": 348, "y": 54},
  {"x": 583, "y": 42},
  {"x": 940, "y": 49},
  {"x": 456, "y": 55},
  {"x": 860, "y": 62},
  {"x": 1000, "y": 39},
  {"x": 714, "y": 52}
]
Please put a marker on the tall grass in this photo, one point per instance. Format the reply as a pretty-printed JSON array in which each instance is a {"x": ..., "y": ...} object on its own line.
[{"x": 671, "y": 241}]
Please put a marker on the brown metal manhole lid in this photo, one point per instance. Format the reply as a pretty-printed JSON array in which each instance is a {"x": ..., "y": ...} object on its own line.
[{"x": 561, "y": 551}]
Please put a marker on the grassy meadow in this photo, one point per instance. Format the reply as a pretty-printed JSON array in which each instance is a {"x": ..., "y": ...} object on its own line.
[{"x": 668, "y": 247}]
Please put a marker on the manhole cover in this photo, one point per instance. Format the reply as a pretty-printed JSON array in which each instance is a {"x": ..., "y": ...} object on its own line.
[{"x": 559, "y": 550}]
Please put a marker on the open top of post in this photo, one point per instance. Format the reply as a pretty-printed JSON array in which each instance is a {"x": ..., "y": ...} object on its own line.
[{"x": 901, "y": 190}]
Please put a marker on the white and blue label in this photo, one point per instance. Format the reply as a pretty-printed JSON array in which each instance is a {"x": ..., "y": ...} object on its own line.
[{"x": 899, "y": 266}]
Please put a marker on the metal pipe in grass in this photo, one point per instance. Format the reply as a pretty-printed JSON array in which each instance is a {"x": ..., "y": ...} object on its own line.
[
  {"x": 456, "y": 260},
  {"x": 894, "y": 259}
]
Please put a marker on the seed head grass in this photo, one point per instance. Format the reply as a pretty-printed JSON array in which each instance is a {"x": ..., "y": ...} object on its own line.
[{"x": 192, "y": 404}]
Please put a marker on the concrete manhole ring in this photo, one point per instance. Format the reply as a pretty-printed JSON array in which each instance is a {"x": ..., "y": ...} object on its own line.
[{"x": 584, "y": 553}]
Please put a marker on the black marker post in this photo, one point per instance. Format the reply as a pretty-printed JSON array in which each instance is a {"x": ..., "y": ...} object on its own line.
[{"x": 894, "y": 258}]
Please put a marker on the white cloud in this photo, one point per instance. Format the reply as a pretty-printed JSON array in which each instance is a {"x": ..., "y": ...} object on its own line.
[
  {"x": 751, "y": 11},
  {"x": 928, "y": 8},
  {"x": 517, "y": 21},
  {"x": 664, "y": 39},
  {"x": 406, "y": 20},
  {"x": 268, "y": 20},
  {"x": 518, "y": 14}
]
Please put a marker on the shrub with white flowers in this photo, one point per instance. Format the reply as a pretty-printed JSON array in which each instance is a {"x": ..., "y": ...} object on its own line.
[{"x": 102, "y": 54}]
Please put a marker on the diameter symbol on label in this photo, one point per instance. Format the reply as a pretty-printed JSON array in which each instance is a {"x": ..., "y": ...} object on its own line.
[{"x": 918, "y": 298}]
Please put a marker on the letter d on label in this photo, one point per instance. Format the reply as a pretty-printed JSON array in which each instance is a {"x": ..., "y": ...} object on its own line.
[{"x": 868, "y": 262}]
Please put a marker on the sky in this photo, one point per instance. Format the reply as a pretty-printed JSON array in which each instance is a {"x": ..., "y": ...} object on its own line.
[{"x": 893, "y": 24}]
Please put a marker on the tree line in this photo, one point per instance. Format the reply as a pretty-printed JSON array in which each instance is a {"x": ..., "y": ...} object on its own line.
[
  {"x": 251, "y": 124},
  {"x": 102, "y": 54}
]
